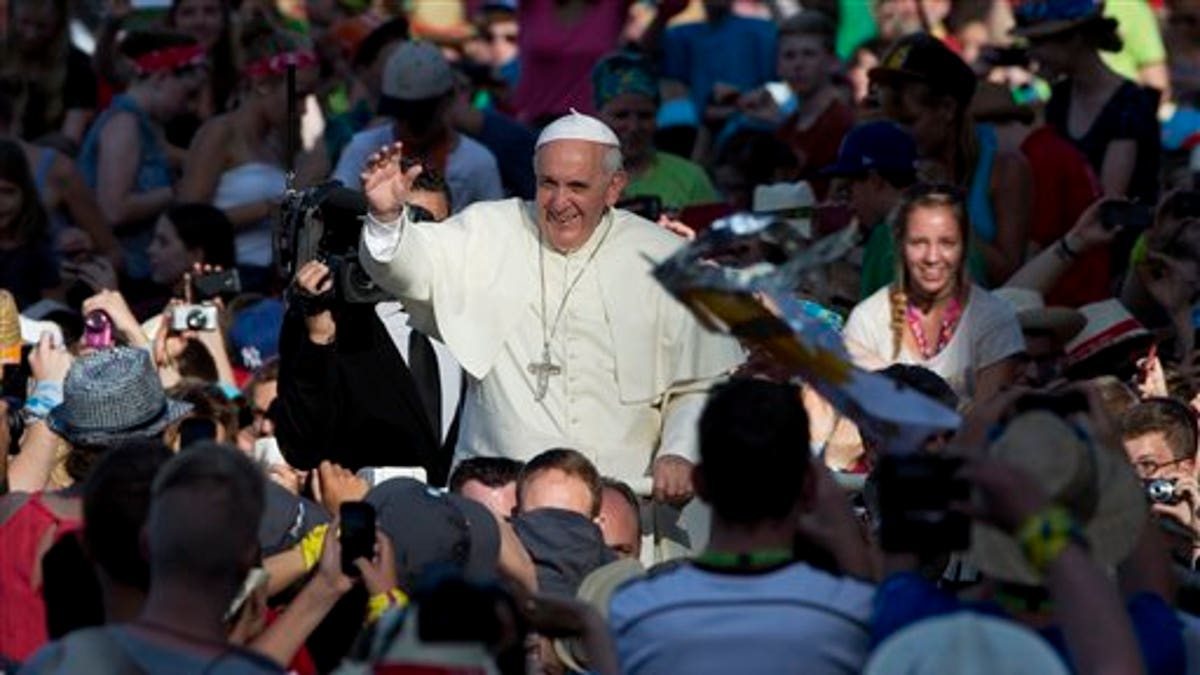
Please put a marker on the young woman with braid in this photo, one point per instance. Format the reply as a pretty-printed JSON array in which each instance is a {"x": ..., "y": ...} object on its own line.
[{"x": 933, "y": 316}]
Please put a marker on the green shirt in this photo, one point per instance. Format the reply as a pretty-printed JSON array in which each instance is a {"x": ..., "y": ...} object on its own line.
[
  {"x": 856, "y": 26},
  {"x": 674, "y": 180},
  {"x": 879, "y": 261},
  {"x": 1138, "y": 28}
]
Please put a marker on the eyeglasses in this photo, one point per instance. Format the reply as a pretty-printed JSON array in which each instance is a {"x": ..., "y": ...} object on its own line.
[{"x": 1147, "y": 467}]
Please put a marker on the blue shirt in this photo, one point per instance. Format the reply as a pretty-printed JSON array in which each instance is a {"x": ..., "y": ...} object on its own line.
[
  {"x": 906, "y": 598},
  {"x": 736, "y": 51}
]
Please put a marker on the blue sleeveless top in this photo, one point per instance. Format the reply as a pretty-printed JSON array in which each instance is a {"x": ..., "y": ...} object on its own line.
[
  {"x": 979, "y": 197},
  {"x": 153, "y": 172}
]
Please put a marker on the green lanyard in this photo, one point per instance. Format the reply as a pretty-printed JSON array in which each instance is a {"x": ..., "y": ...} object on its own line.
[{"x": 750, "y": 560}]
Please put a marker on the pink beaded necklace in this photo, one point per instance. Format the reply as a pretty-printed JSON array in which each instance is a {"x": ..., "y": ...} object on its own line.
[{"x": 950, "y": 320}]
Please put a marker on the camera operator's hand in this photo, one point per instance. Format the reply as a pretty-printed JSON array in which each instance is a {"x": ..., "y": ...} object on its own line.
[
  {"x": 379, "y": 573},
  {"x": 1008, "y": 494},
  {"x": 48, "y": 363},
  {"x": 1183, "y": 512},
  {"x": 314, "y": 280},
  {"x": 387, "y": 185},
  {"x": 124, "y": 322},
  {"x": 329, "y": 567}
]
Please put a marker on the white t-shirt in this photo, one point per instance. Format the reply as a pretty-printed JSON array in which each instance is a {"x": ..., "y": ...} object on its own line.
[
  {"x": 987, "y": 333},
  {"x": 471, "y": 170},
  {"x": 796, "y": 619}
]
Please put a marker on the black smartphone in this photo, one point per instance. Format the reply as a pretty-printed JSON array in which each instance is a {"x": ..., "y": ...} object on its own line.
[
  {"x": 649, "y": 207},
  {"x": 357, "y": 534},
  {"x": 196, "y": 430},
  {"x": 915, "y": 494},
  {"x": 209, "y": 286},
  {"x": 1117, "y": 213}
]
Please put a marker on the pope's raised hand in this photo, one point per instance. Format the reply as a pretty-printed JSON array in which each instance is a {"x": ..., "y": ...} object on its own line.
[{"x": 386, "y": 184}]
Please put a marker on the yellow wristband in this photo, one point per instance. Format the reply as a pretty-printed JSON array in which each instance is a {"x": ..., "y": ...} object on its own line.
[
  {"x": 378, "y": 604},
  {"x": 1044, "y": 536},
  {"x": 311, "y": 546}
]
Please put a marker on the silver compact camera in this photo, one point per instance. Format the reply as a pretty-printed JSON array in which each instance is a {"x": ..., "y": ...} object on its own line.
[
  {"x": 1163, "y": 491},
  {"x": 194, "y": 317}
]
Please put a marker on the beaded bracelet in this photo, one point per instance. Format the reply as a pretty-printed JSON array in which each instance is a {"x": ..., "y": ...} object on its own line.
[
  {"x": 378, "y": 604},
  {"x": 45, "y": 397},
  {"x": 1044, "y": 536}
]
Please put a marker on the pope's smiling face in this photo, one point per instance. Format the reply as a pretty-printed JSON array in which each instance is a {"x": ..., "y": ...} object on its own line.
[{"x": 574, "y": 188}]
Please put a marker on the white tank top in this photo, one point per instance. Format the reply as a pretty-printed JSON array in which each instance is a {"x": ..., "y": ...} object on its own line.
[{"x": 245, "y": 184}]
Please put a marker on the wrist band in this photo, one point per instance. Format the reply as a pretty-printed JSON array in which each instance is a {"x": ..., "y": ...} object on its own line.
[
  {"x": 1044, "y": 536},
  {"x": 1065, "y": 251},
  {"x": 45, "y": 397},
  {"x": 311, "y": 546},
  {"x": 378, "y": 604}
]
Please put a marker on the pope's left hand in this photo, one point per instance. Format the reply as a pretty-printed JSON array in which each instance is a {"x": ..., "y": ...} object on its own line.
[{"x": 672, "y": 480}]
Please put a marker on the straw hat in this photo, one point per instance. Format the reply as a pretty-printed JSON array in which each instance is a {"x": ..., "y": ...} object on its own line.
[
  {"x": 1092, "y": 481},
  {"x": 967, "y": 643},
  {"x": 1063, "y": 323},
  {"x": 1109, "y": 324},
  {"x": 10, "y": 330}
]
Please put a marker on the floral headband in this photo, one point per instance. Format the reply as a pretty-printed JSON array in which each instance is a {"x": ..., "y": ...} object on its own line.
[
  {"x": 278, "y": 64},
  {"x": 171, "y": 58}
]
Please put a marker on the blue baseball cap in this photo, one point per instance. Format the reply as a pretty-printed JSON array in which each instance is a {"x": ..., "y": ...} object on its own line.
[{"x": 877, "y": 146}]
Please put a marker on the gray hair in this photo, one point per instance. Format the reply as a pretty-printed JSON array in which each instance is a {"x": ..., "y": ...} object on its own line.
[{"x": 613, "y": 160}]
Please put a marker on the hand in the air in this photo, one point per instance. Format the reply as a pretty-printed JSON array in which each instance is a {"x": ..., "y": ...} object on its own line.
[{"x": 386, "y": 185}]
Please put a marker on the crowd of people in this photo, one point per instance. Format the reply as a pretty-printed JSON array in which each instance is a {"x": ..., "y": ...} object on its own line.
[{"x": 331, "y": 342}]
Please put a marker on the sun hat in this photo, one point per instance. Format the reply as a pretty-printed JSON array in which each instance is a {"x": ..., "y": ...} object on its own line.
[
  {"x": 1040, "y": 18},
  {"x": 1063, "y": 323},
  {"x": 1094, "y": 482},
  {"x": 967, "y": 643},
  {"x": 794, "y": 202},
  {"x": 1109, "y": 325},
  {"x": 416, "y": 71},
  {"x": 431, "y": 529},
  {"x": 10, "y": 330},
  {"x": 920, "y": 57},
  {"x": 112, "y": 395}
]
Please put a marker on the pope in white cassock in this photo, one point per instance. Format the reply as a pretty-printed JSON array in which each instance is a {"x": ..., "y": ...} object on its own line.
[{"x": 550, "y": 307}]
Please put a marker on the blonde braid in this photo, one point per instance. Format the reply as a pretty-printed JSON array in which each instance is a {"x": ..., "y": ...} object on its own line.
[{"x": 899, "y": 303}]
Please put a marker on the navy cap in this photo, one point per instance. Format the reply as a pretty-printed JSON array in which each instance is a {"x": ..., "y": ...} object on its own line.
[{"x": 877, "y": 146}]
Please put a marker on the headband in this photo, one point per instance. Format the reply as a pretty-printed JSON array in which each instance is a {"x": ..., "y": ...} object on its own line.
[
  {"x": 278, "y": 63},
  {"x": 171, "y": 58}
]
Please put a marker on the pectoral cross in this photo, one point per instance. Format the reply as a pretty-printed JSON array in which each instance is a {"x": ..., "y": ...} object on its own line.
[{"x": 542, "y": 370}]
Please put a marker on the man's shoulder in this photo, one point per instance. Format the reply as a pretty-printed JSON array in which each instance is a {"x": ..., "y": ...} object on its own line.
[
  {"x": 644, "y": 237},
  {"x": 677, "y": 165},
  {"x": 377, "y": 135}
]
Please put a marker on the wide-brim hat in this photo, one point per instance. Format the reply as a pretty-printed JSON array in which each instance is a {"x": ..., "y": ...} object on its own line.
[
  {"x": 1032, "y": 313},
  {"x": 1109, "y": 325},
  {"x": 433, "y": 530},
  {"x": 1094, "y": 482},
  {"x": 965, "y": 643},
  {"x": 112, "y": 395}
]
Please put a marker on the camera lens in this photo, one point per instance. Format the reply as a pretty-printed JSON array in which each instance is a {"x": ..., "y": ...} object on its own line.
[
  {"x": 1161, "y": 491},
  {"x": 195, "y": 319}
]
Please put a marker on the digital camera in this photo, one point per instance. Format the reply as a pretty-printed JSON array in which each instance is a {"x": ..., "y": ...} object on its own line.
[
  {"x": 194, "y": 317},
  {"x": 1163, "y": 491}
]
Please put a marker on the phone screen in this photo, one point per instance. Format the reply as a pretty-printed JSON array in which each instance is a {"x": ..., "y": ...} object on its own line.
[{"x": 357, "y": 534}]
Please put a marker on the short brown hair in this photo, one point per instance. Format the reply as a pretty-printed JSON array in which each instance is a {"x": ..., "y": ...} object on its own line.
[
  {"x": 571, "y": 462},
  {"x": 1174, "y": 419},
  {"x": 811, "y": 23}
]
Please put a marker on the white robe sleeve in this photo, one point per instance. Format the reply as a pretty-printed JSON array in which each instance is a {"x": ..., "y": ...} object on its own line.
[{"x": 403, "y": 270}]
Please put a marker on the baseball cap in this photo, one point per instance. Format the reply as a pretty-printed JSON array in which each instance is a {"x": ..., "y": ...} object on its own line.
[
  {"x": 879, "y": 146},
  {"x": 434, "y": 530},
  {"x": 416, "y": 71},
  {"x": 254, "y": 336},
  {"x": 920, "y": 57}
]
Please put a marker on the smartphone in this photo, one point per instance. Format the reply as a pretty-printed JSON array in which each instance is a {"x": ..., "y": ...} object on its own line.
[
  {"x": 208, "y": 286},
  {"x": 356, "y": 535},
  {"x": 649, "y": 207},
  {"x": 1115, "y": 214},
  {"x": 915, "y": 494},
  {"x": 196, "y": 430}
]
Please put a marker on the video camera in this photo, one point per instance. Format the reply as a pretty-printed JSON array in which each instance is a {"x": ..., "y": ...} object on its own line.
[{"x": 324, "y": 223}]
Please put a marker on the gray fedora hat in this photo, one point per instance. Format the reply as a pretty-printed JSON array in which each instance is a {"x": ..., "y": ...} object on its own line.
[{"x": 111, "y": 395}]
